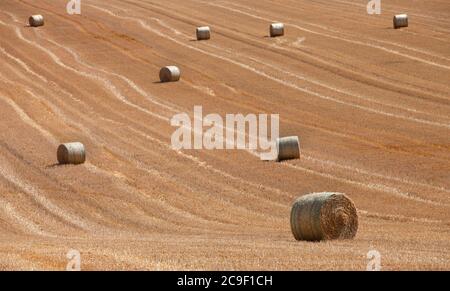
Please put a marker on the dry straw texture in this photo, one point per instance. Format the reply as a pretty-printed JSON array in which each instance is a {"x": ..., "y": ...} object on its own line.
[
  {"x": 324, "y": 216},
  {"x": 36, "y": 20},
  {"x": 400, "y": 20},
  {"x": 71, "y": 153},
  {"x": 288, "y": 148},
  {"x": 169, "y": 74}
]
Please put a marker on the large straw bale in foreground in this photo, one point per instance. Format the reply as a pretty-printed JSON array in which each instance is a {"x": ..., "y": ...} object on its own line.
[{"x": 324, "y": 216}]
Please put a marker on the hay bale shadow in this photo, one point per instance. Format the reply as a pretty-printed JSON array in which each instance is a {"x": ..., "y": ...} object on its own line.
[{"x": 55, "y": 165}]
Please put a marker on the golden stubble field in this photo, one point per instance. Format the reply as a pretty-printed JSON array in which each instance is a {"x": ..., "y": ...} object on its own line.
[{"x": 370, "y": 104}]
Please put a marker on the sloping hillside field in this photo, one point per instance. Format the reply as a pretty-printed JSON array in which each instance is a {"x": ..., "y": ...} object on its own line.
[{"x": 370, "y": 105}]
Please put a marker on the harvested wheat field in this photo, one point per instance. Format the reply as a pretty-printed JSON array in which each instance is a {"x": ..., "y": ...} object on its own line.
[{"x": 370, "y": 104}]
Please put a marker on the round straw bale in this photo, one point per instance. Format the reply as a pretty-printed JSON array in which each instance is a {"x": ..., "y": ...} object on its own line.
[
  {"x": 276, "y": 29},
  {"x": 71, "y": 153},
  {"x": 324, "y": 216},
  {"x": 400, "y": 20},
  {"x": 169, "y": 74},
  {"x": 203, "y": 33},
  {"x": 288, "y": 148},
  {"x": 36, "y": 20}
]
